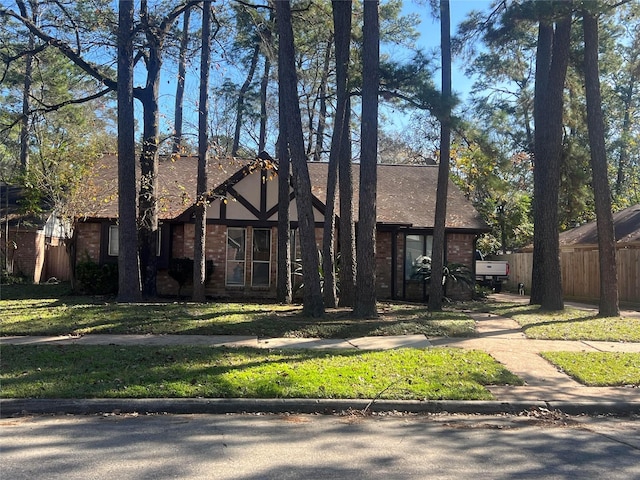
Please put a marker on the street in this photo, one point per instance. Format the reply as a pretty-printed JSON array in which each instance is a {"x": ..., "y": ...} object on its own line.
[{"x": 111, "y": 446}]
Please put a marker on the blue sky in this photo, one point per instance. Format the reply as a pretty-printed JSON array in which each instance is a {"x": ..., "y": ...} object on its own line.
[{"x": 430, "y": 33}]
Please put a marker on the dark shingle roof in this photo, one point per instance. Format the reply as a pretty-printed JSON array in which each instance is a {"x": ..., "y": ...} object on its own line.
[
  {"x": 406, "y": 193},
  {"x": 626, "y": 223}
]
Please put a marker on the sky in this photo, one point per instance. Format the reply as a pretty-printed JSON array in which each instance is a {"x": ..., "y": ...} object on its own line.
[
  {"x": 429, "y": 41},
  {"x": 430, "y": 33}
]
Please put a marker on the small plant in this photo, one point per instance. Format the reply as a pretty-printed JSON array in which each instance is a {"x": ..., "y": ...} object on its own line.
[
  {"x": 95, "y": 279},
  {"x": 181, "y": 270},
  {"x": 452, "y": 273}
]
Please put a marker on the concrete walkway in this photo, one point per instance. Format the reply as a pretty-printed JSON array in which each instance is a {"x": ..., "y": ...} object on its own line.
[{"x": 500, "y": 337}]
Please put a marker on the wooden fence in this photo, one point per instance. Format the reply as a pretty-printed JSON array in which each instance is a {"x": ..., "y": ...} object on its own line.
[
  {"x": 57, "y": 263},
  {"x": 581, "y": 274}
]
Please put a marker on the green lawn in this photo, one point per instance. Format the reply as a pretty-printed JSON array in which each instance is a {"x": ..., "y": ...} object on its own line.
[
  {"x": 47, "y": 310},
  {"x": 599, "y": 369},
  {"x": 569, "y": 324},
  {"x": 110, "y": 371}
]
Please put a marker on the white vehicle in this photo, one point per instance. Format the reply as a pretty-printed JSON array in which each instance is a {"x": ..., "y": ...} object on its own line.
[{"x": 491, "y": 273}]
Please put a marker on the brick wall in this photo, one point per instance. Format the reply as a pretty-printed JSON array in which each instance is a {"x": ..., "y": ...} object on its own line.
[
  {"x": 460, "y": 250},
  {"x": 22, "y": 251},
  {"x": 88, "y": 241}
]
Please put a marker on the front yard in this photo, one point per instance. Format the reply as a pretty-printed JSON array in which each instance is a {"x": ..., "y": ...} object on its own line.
[{"x": 144, "y": 371}]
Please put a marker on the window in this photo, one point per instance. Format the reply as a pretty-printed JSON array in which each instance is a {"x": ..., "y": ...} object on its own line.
[
  {"x": 113, "y": 248},
  {"x": 261, "y": 261},
  {"x": 417, "y": 252},
  {"x": 114, "y": 245},
  {"x": 236, "y": 241}
]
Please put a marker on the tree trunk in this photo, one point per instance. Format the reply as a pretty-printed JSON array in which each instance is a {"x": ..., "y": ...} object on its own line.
[
  {"x": 606, "y": 235},
  {"x": 182, "y": 71},
  {"x": 312, "y": 303},
  {"x": 284, "y": 289},
  {"x": 26, "y": 92},
  {"x": 128, "y": 268},
  {"x": 341, "y": 148},
  {"x": 264, "y": 83},
  {"x": 241, "y": 95},
  {"x": 322, "y": 95},
  {"x": 365, "y": 306},
  {"x": 551, "y": 67},
  {"x": 437, "y": 255},
  {"x": 199, "y": 250}
]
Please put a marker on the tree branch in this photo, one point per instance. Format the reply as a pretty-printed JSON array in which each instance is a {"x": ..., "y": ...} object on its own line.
[
  {"x": 64, "y": 48},
  {"x": 52, "y": 108}
]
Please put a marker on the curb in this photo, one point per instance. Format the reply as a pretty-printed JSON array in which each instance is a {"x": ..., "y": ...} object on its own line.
[{"x": 19, "y": 407}]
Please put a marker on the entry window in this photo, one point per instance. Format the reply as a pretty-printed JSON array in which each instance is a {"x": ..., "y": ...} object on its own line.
[
  {"x": 236, "y": 242},
  {"x": 418, "y": 250},
  {"x": 261, "y": 263}
]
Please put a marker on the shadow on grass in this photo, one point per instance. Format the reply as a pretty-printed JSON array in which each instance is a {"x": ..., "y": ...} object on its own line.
[
  {"x": 44, "y": 314},
  {"x": 144, "y": 371}
]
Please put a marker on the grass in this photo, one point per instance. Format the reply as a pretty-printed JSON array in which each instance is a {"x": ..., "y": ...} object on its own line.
[
  {"x": 599, "y": 369},
  {"x": 50, "y": 310},
  {"x": 569, "y": 324},
  {"x": 109, "y": 371}
]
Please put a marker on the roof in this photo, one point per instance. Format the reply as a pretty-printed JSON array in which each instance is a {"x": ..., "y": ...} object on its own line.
[
  {"x": 177, "y": 178},
  {"x": 11, "y": 209},
  {"x": 626, "y": 224},
  {"x": 406, "y": 193}
]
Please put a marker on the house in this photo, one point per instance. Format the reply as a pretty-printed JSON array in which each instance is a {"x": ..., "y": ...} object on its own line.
[
  {"x": 579, "y": 260},
  {"x": 242, "y": 223},
  {"x": 626, "y": 224},
  {"x": 31, "y": 245}
]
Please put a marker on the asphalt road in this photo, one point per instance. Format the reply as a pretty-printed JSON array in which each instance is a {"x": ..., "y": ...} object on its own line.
[{"x": 540, "y": 445}]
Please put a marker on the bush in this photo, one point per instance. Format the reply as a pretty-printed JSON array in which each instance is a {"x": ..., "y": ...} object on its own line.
[
  {"x": 181, "y": 270},
  {"x": 95, "y": 279}
]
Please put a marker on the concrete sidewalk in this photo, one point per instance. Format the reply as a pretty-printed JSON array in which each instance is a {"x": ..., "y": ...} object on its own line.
[{"x": 500, "y": 337}]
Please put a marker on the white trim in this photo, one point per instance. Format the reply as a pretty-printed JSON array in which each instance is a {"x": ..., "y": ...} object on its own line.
[{"x": 238, "y": 263}]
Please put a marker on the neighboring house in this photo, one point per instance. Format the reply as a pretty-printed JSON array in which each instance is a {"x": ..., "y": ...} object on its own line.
[
  {"x": 31, "y": 246},
  {"x": 242, "y": 223},
  {"x": 579, "y": 260},
  {"x": 585, "y": 237}
]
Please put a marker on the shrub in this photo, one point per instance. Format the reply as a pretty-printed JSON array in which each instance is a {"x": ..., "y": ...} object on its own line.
[{"x": 95, "y": 279}]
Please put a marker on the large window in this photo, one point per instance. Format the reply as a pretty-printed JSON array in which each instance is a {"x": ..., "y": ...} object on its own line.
[
  {"x": 236, "y": 242},
  {"x": 261, "y": 260},
  {"x": 417, "y": 252}
]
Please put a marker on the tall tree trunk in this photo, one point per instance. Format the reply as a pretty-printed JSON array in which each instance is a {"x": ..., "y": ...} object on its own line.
[
  {"x": 264, "y": 83},
  {"x": 606, "y": 235},
  {"x": 322, "y": 94},
  {"x": 241, "y": 96},
  {"x": 26, "y": 92},
  {"x": 284, "y": 288},
  {"x": 340, "y": 154},
  {"x": 128, "y": 268},
  {"x": 623, "y": 156},
  {"x": 437, "y": 255},
  {"x": 347, "y": 228},
  {"x": 312, "y": 300},
  {"x": 552, "y": 59},
  {"x": 365, "y": 306},
  {"x": 182, "y": 72},
  {"x": 148, "y": 193},
  {"x": 199, "y": 250}
]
